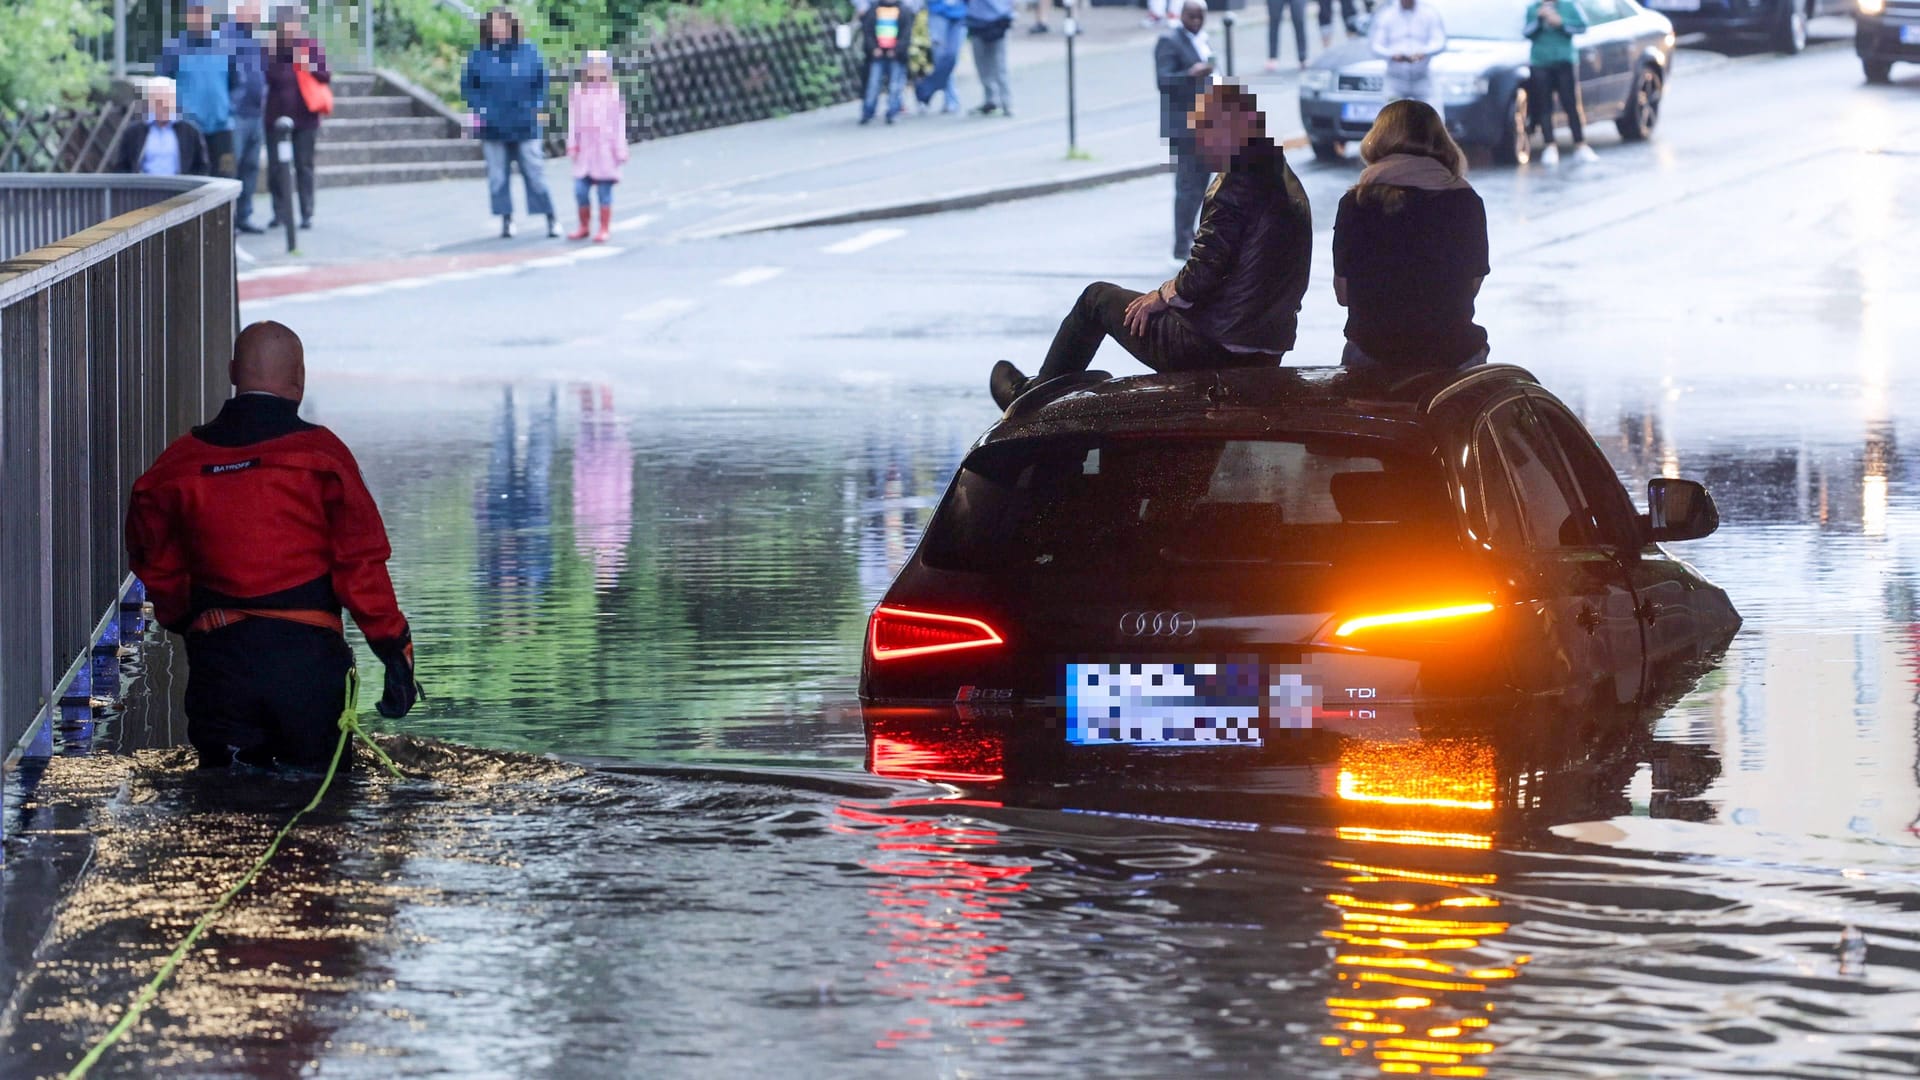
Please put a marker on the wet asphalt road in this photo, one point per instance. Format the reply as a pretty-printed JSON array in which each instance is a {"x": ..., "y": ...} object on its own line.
[{"x": 641, "y": 505}]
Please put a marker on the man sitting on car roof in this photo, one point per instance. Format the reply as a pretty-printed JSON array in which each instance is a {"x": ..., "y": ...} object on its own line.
[{"x": 1236, "y": 301}]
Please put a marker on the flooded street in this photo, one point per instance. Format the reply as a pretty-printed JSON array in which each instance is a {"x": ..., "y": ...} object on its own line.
[{"x": 643, "y": 834}]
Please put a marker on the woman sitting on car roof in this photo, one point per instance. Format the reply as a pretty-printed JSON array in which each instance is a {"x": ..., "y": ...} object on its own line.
[{"x": 1410, "y": 248}]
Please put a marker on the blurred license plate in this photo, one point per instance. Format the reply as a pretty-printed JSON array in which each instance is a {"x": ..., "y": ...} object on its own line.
[
  {"x": 1197, "y": 704},
  {"x": 1674, "y": 5},
  {"x": 1363, "y": 112},
  {"x": 1910, "y": 35}
]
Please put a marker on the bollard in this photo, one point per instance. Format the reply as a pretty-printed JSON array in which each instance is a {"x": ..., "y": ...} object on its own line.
[
  {"x": 283, "y": 164},
  {"x": 1228, "y": 19},
  {"x": 1071, "y": 27}
]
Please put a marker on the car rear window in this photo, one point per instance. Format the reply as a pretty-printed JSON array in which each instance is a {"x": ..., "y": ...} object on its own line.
[
  {"x": 1089, "y": 503},
  {"x": 1496, "y": 20}
]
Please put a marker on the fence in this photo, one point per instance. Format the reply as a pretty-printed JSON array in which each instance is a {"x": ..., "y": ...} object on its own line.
[
  {"x": 62, "y": 140},
  {"x": 113, "y": 339},
  {"x": 692, "y": 82}
]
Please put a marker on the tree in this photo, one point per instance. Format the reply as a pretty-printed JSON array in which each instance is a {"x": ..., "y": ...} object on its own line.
[{"x": 41, "y": 62}]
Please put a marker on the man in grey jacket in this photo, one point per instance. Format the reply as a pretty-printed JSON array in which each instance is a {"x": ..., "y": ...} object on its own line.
[{"x": 1183, "y": 67}]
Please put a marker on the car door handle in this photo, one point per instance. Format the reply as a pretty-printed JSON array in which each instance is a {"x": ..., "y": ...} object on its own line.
[
  {"x": 1589, "y": 618},
  {"x": 1648, "y": 611}
]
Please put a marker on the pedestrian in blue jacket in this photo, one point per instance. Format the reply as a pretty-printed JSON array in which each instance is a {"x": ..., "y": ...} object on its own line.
[
  {"x": 947, "y": 27},
  {"x": 201, "y": 67},
  {"x": 505, "y": 84},
  {"x": 249, "y": 98}
]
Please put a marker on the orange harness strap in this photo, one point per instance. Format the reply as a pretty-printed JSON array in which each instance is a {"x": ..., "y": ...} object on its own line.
[{"x": 215, "y": 618}]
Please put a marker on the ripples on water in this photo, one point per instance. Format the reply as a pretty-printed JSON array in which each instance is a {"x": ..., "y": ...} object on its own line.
[{"x": 1727, "y": 886}]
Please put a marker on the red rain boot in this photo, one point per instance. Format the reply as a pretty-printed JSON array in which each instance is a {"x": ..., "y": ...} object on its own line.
[
  {"x": 606, "y": 225},
  {"x": 581, "y": 232}
]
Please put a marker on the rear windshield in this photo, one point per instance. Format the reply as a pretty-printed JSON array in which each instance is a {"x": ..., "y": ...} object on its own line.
[{"x": 1079, "y": 503}]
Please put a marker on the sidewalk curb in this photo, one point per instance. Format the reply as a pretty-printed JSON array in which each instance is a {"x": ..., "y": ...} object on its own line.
[{"x": 966, "y": 200}]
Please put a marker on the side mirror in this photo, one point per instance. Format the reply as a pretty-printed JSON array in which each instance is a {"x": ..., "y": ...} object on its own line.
[{"x": 1679, "y": 510}]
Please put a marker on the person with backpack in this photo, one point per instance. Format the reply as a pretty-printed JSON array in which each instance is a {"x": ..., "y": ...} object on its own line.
[
  {"x": 1552, "y": 26},
  {"x": 987, "y": 23},
  {"x": 887, "y": 28}
]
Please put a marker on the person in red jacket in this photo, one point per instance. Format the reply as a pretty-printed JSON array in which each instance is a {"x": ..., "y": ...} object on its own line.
[{"x": 250, "y": 534}]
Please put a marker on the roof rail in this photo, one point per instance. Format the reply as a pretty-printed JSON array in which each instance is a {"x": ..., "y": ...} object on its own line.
[{"x": 1472, "y": 376}]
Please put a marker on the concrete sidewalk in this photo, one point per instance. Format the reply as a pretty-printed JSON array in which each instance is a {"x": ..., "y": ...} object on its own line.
[{"x": 815, "y": 167}]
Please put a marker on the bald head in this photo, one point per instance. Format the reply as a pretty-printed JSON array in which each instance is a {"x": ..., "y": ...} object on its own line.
[{"x": 268, "y": 358}]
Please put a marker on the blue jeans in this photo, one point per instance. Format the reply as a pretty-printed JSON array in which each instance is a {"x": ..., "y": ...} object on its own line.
[
  {"x": 948, "y": 35},
  {"x": 894, "y": 73},
  {"x": 583, "y": 186},
  {"x": 249, "y": 138},
  {"x": 500, "y": 154}
]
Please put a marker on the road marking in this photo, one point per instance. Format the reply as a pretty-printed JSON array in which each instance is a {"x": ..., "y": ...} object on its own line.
[
  {"x": 376, "y": 288},
  {"x": 870, "y": 238},
  {"x": 637, "y": 221},
  {"x": 243, "y": 254},
  {"x": 753, "y": 275},
  {"x": 665, "y": 308},
  {"x": 270, "y": 272}
]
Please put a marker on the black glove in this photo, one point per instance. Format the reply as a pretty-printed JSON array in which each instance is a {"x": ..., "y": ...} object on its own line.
[{"x": 401, "y": 689}]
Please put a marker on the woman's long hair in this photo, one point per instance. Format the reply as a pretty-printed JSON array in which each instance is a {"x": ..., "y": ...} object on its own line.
[
  {"x": 486, "y": 27},
  {"x": 1406, "y": 127}
]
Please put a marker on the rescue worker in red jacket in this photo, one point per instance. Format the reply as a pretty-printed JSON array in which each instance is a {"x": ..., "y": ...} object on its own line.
[{"x": 250, "y": 534}]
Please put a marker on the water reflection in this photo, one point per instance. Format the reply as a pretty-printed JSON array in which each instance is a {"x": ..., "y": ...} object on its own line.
[
  {"x": 602, "y": 487},
  {"x": 513, "y": 505}
]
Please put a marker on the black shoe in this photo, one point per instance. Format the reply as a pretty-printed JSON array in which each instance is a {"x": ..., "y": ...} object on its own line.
[
  {"x": 506, "y": 226},
  {"x": 306, "y": 223},
  {"x": 1006, "y": 383},
  {"x": 249, "y": 228},
  {"x": 985, "y": 110},
  {"x": 553, "y": 227},
  {"x": 1037, "y": 28},
  {"x": 275, "y": 223}
]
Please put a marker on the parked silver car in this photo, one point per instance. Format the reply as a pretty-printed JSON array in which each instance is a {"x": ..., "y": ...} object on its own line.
[{"x": 1626, "y": 56}]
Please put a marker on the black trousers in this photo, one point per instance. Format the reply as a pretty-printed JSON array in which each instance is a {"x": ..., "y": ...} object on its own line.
[
  {"x": 303, "y": 142},
  {"x": 266, "y": 691},
  {"x": 1190, "y": 178},
  {"x": 1547, "y": 81},
  {"x": 1170, "y": 344},
  {"x": 220, "y": 154}
]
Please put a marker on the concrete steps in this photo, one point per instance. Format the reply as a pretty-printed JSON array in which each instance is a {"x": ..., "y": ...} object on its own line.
[
  {"x": 333, "y": 176},
  {"x": 382, "y": 132}
]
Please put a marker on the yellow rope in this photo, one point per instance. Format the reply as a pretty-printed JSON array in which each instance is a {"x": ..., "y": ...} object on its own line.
[{"x": 349, "y": 728}]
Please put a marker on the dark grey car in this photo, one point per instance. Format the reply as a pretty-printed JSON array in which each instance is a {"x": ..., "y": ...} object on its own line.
[{"x": 1626, "y": 56}]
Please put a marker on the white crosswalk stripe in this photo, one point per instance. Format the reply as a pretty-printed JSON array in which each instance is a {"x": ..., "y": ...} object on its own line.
[
  {"x": 870, "y": 238},
  {"x": 664, "y": 308},
  {"x": 637, "y": 221},
  {"x": 753, "y": 275}
]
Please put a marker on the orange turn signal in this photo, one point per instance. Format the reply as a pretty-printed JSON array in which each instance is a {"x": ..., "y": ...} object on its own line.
[{"x": 1401, "y": 618}]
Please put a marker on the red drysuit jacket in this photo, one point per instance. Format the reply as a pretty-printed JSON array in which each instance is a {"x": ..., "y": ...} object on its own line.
[{"x": 261, "y": 511}]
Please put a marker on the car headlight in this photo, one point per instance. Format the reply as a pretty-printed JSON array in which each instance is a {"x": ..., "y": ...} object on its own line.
[
  {"x": 1872, "y": 7},
  {"x": 1460, "y": 91},
  {"x": 1316, "y": 80}
]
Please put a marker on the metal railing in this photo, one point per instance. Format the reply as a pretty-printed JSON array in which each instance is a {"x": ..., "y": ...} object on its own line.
[{"x": 117, "y": 311}]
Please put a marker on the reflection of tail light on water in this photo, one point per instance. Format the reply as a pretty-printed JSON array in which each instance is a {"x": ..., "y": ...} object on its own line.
[
  {"x": 1410, "y": 944},
  {"x": 937, "y": 912},
  {"x": 902, "y": 759}
]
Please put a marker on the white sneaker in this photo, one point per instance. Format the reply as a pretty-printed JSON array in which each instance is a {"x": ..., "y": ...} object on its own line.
[
  {"x": 1550, "y": 157},
  {"x": 1584, "y": 154}
]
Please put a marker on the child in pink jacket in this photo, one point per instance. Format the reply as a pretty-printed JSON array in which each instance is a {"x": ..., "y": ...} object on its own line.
[{"x": 596, "y": 141}]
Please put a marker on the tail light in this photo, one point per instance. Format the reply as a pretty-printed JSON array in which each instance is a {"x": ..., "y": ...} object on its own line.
[
  {"x": 1360, "y": 624},
  {"x": 896, "y": 633}
]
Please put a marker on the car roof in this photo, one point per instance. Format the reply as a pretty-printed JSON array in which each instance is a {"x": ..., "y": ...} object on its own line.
[{"x": 1253, "y": 401}]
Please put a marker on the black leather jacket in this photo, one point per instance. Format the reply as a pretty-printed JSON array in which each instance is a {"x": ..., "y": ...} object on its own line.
[{"x": 1244, "y": 279}]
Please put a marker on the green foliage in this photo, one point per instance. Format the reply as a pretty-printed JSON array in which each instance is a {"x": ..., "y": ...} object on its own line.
[{"x": 41, "y": 62}]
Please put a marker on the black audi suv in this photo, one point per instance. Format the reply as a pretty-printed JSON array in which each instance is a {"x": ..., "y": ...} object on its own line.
[
  {"x": 1885, "y": 31},
  {"x": 1213, "y": 558}
]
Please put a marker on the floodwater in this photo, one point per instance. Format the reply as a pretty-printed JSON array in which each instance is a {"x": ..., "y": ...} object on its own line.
[{"x": 1724, "y": 885}]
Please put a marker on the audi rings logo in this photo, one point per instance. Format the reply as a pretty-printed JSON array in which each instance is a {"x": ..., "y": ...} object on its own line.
[{"x": 1137, "y": 624}]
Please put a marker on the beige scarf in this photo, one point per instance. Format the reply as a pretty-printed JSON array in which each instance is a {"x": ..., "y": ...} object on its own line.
[{"x": 1411, "y": 171}]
